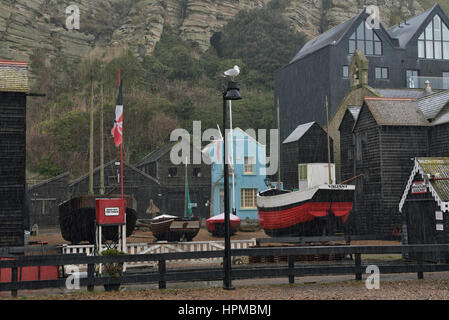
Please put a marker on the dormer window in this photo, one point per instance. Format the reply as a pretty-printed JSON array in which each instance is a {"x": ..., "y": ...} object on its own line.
[
  {"x": 366, "y": 40},
  {"x": 433, "y": 43}
]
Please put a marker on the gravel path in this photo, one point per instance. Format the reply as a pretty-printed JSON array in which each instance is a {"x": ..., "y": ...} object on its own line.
[
  {"x": 435, "y": 287},
  {"x": 392, "y": 290}
]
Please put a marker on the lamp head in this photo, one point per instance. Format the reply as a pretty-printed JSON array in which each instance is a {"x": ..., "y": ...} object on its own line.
[{"x": 232, "y": 92}]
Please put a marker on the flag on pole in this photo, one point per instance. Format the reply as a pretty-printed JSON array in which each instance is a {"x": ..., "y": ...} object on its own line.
[{"x": 117, "y": 130}]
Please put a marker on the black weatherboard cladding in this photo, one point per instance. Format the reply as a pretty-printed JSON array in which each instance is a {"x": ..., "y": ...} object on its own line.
[{"x": 12, "y": 168}]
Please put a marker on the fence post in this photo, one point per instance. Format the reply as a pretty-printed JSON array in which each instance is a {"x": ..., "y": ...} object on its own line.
[
  {"x": 291, "y": 265},
  {"x": 14, "y": 279},
  {"x": 420, "y": 263},
  {"x": 358, "y": 267},
  {"x": 162, "y": 269},
  {"x": 90, "y": 277}
]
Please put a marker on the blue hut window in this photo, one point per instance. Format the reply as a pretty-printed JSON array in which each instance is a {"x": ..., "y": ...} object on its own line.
[
  {"x": 366, "y": 40},
  {"x": 248, "y": 198},
  {"x": 249, "y": 165}
]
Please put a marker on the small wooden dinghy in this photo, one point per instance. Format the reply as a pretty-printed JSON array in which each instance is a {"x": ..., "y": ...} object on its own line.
[{"x": 173, "y": 228}]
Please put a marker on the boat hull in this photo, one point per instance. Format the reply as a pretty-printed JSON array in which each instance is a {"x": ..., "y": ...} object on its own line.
[
  {"x": 217, "y": 228},
  {"x": 305, "y": 213},
  {"x": 77, "y": 219},
  {"x": 175, "y": 229}
]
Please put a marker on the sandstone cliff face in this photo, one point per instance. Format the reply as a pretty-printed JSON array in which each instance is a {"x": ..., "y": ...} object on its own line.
[
  {"x": 196, "y": 20},
  {"x": 29, "y": 24}
]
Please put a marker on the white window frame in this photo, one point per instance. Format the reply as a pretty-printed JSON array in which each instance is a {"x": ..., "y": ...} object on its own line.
[
  {"x": 249, "y": 165},
  {"x": 246, "y": 203}
]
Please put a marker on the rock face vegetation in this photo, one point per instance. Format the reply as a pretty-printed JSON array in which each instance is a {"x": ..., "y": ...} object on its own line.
[{"x": 171, "y": 53}]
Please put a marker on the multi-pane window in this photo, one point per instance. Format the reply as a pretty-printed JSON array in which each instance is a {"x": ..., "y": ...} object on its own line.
[
  {"x": 248, "y": 198},
  {"x": 381, "y": 73},
  {"x": 249, "y": 165},
  {"x": 433, "y": 43},
  {"x": 366, "y": 40},
  {"x": 345, "y": 72},
  {"x": 411, "y": 78}
]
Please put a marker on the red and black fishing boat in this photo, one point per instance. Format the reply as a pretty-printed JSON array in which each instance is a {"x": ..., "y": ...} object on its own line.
[
  {"x": 306, "y": 212},
  {"x": 316, "y": 209}
]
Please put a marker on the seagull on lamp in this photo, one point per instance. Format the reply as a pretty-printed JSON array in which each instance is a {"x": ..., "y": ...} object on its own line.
[{"x": 234, "y": 72}]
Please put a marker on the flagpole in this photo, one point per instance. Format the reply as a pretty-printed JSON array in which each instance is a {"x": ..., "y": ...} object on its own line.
[
  {"x": 91, "y": 138},
  {"x": 121, "y": 144},
  {"x": 185, "y": 192}
]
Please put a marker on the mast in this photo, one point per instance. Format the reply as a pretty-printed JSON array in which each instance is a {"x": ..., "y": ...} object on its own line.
[
  {"x": 91, "y": 139},
  {"x": 279, "y": 144},
  {"x": 328, "y": 145},
  {"x": 101, "y": 144},
  {"x": 185, "y": 192}
]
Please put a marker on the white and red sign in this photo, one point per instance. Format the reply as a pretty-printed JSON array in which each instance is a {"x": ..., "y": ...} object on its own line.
[{"x": 419, "y": 187}]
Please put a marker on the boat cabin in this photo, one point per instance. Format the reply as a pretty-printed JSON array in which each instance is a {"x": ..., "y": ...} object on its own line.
[{"x": 312, "y": 175}]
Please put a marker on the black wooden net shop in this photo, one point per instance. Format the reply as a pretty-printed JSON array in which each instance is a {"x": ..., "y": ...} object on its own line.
[
  {"x": 13, "y": 91},
  {"x": 425, "y": 205}
]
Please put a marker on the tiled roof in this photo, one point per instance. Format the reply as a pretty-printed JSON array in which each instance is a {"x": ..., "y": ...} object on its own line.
[
  {"x": 37, "y": 185},
  {"x": 401, "y": 93},
  {"x": 437, "y": 168},
  {"x": 298, "y": 132},
  {"x": 160, "y": 152},
  {"x": 14, "y": 76},
  {"x": 432, "y": 104},
  {"x": 396, "y": 112},
  {"x": 442, "y": 118},
  {"x": 155, "y": 154},
  {"x": 326, "y": 38},
  {"x": 405, "y": 31},
  {"x": 133, "y": 168},
  {"x": 401, "y": 33}
]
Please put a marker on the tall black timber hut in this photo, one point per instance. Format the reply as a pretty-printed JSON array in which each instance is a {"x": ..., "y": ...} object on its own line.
[
  {"x": 171, "y": 176},
  {"x": 13, "y": 92},
  {"x": 387, "y": 133},
  {"x": 425, "y": 204},
  {"x": 306, "y": 144}
]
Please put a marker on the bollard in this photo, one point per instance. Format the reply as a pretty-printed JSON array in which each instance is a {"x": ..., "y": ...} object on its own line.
[
  {"x": 90, "y": 277},
  {"x": 358, "y": 267},
  {"x": 291, "y": 266},
  {"x": 162, "y": 269},
  {"x": 14, "y": 275},
  {"x": 420, "y": 263}
]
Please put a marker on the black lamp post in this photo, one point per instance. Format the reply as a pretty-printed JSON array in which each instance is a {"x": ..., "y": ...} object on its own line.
[{"x": 232, "y": 92}]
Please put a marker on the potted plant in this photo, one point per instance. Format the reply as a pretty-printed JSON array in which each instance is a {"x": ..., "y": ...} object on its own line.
[{"x": 112, "y": 269}]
